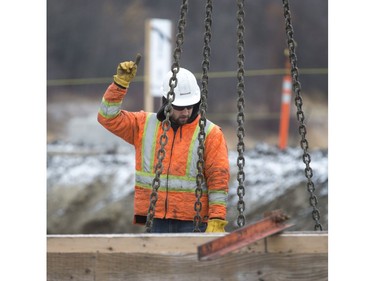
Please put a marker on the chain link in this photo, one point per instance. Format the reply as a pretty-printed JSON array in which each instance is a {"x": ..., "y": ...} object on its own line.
[
  {"x": 166, "y": 124},
  {"x": 300, "y": 115},
  {"x": 240, "y": 115},
  {"x": 202, "y": 111}
]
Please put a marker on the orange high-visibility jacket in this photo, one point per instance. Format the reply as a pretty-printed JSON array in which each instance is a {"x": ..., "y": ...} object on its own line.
[{"x": 176, "y": 194}]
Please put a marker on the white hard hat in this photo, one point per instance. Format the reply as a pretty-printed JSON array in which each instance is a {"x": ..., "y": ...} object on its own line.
[{"x": 187, "y": 91}]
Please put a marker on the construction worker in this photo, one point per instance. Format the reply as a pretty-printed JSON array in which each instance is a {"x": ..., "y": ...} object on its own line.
[{"x": 174, "y": 209}]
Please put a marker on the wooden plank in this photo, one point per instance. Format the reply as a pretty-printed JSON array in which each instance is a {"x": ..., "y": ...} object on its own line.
[
  {"x": 233, "y": 266},
  {"x": 289, "y": 256},
  {"x": 186, "y": 243}
]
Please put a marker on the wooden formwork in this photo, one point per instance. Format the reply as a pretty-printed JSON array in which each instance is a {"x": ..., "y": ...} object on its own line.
[{"x": 287, "y": 256}]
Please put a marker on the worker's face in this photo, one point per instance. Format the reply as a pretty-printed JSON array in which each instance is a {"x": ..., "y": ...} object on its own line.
[{"x": 181, "y": 114}]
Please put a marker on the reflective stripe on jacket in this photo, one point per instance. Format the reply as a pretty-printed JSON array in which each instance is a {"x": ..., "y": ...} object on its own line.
[{"x": 176, "y": 194}]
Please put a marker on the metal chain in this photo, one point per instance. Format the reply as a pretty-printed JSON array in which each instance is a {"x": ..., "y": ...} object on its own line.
[
  {"x": 240, "y": 115},
  {"x": 300, "y": 115},
  {"x": 166, "y": 124},
  {"x": 202, "y": 111}
]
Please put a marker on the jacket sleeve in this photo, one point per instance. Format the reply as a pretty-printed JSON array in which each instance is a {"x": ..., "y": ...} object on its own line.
[
  {"x": 123, "y": 124},
  {"x": 217, "y": 173}
]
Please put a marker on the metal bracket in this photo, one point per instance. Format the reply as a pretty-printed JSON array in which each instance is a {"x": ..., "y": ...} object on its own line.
[{"x": 272, "y": 223}]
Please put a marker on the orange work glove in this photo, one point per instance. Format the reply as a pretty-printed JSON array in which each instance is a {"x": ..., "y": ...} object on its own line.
[{"x": 216, "y": 225}]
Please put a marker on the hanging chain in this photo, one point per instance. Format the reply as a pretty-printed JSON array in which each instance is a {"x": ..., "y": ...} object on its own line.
[
  {"x": 202, "y": 111},
  {"x": 240, "y": 115},
  {"x": 300, "y": 115},
  {"x": 166, "y": 124}
]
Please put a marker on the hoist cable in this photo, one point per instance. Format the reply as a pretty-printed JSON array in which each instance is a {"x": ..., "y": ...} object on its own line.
[
  {"x": 300, "y": 115},
  {"x": 202, "y": 111},
  {"x": 240, "y": 115},
  {"x": 166, "y": 124}
]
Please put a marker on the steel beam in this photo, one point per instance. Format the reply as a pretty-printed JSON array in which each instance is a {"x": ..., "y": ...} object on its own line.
[{"x": 272, "y": 223}]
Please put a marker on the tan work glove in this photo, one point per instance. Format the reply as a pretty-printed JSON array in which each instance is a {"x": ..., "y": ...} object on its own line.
[
  {"x": 216, "y": 225},
  {"x": 126, "y": 71}
]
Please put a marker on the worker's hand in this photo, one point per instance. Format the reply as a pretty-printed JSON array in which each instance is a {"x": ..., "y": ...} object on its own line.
[
  {"x": 216, "y": 225},
  {"x": 126, "y": 71}
]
